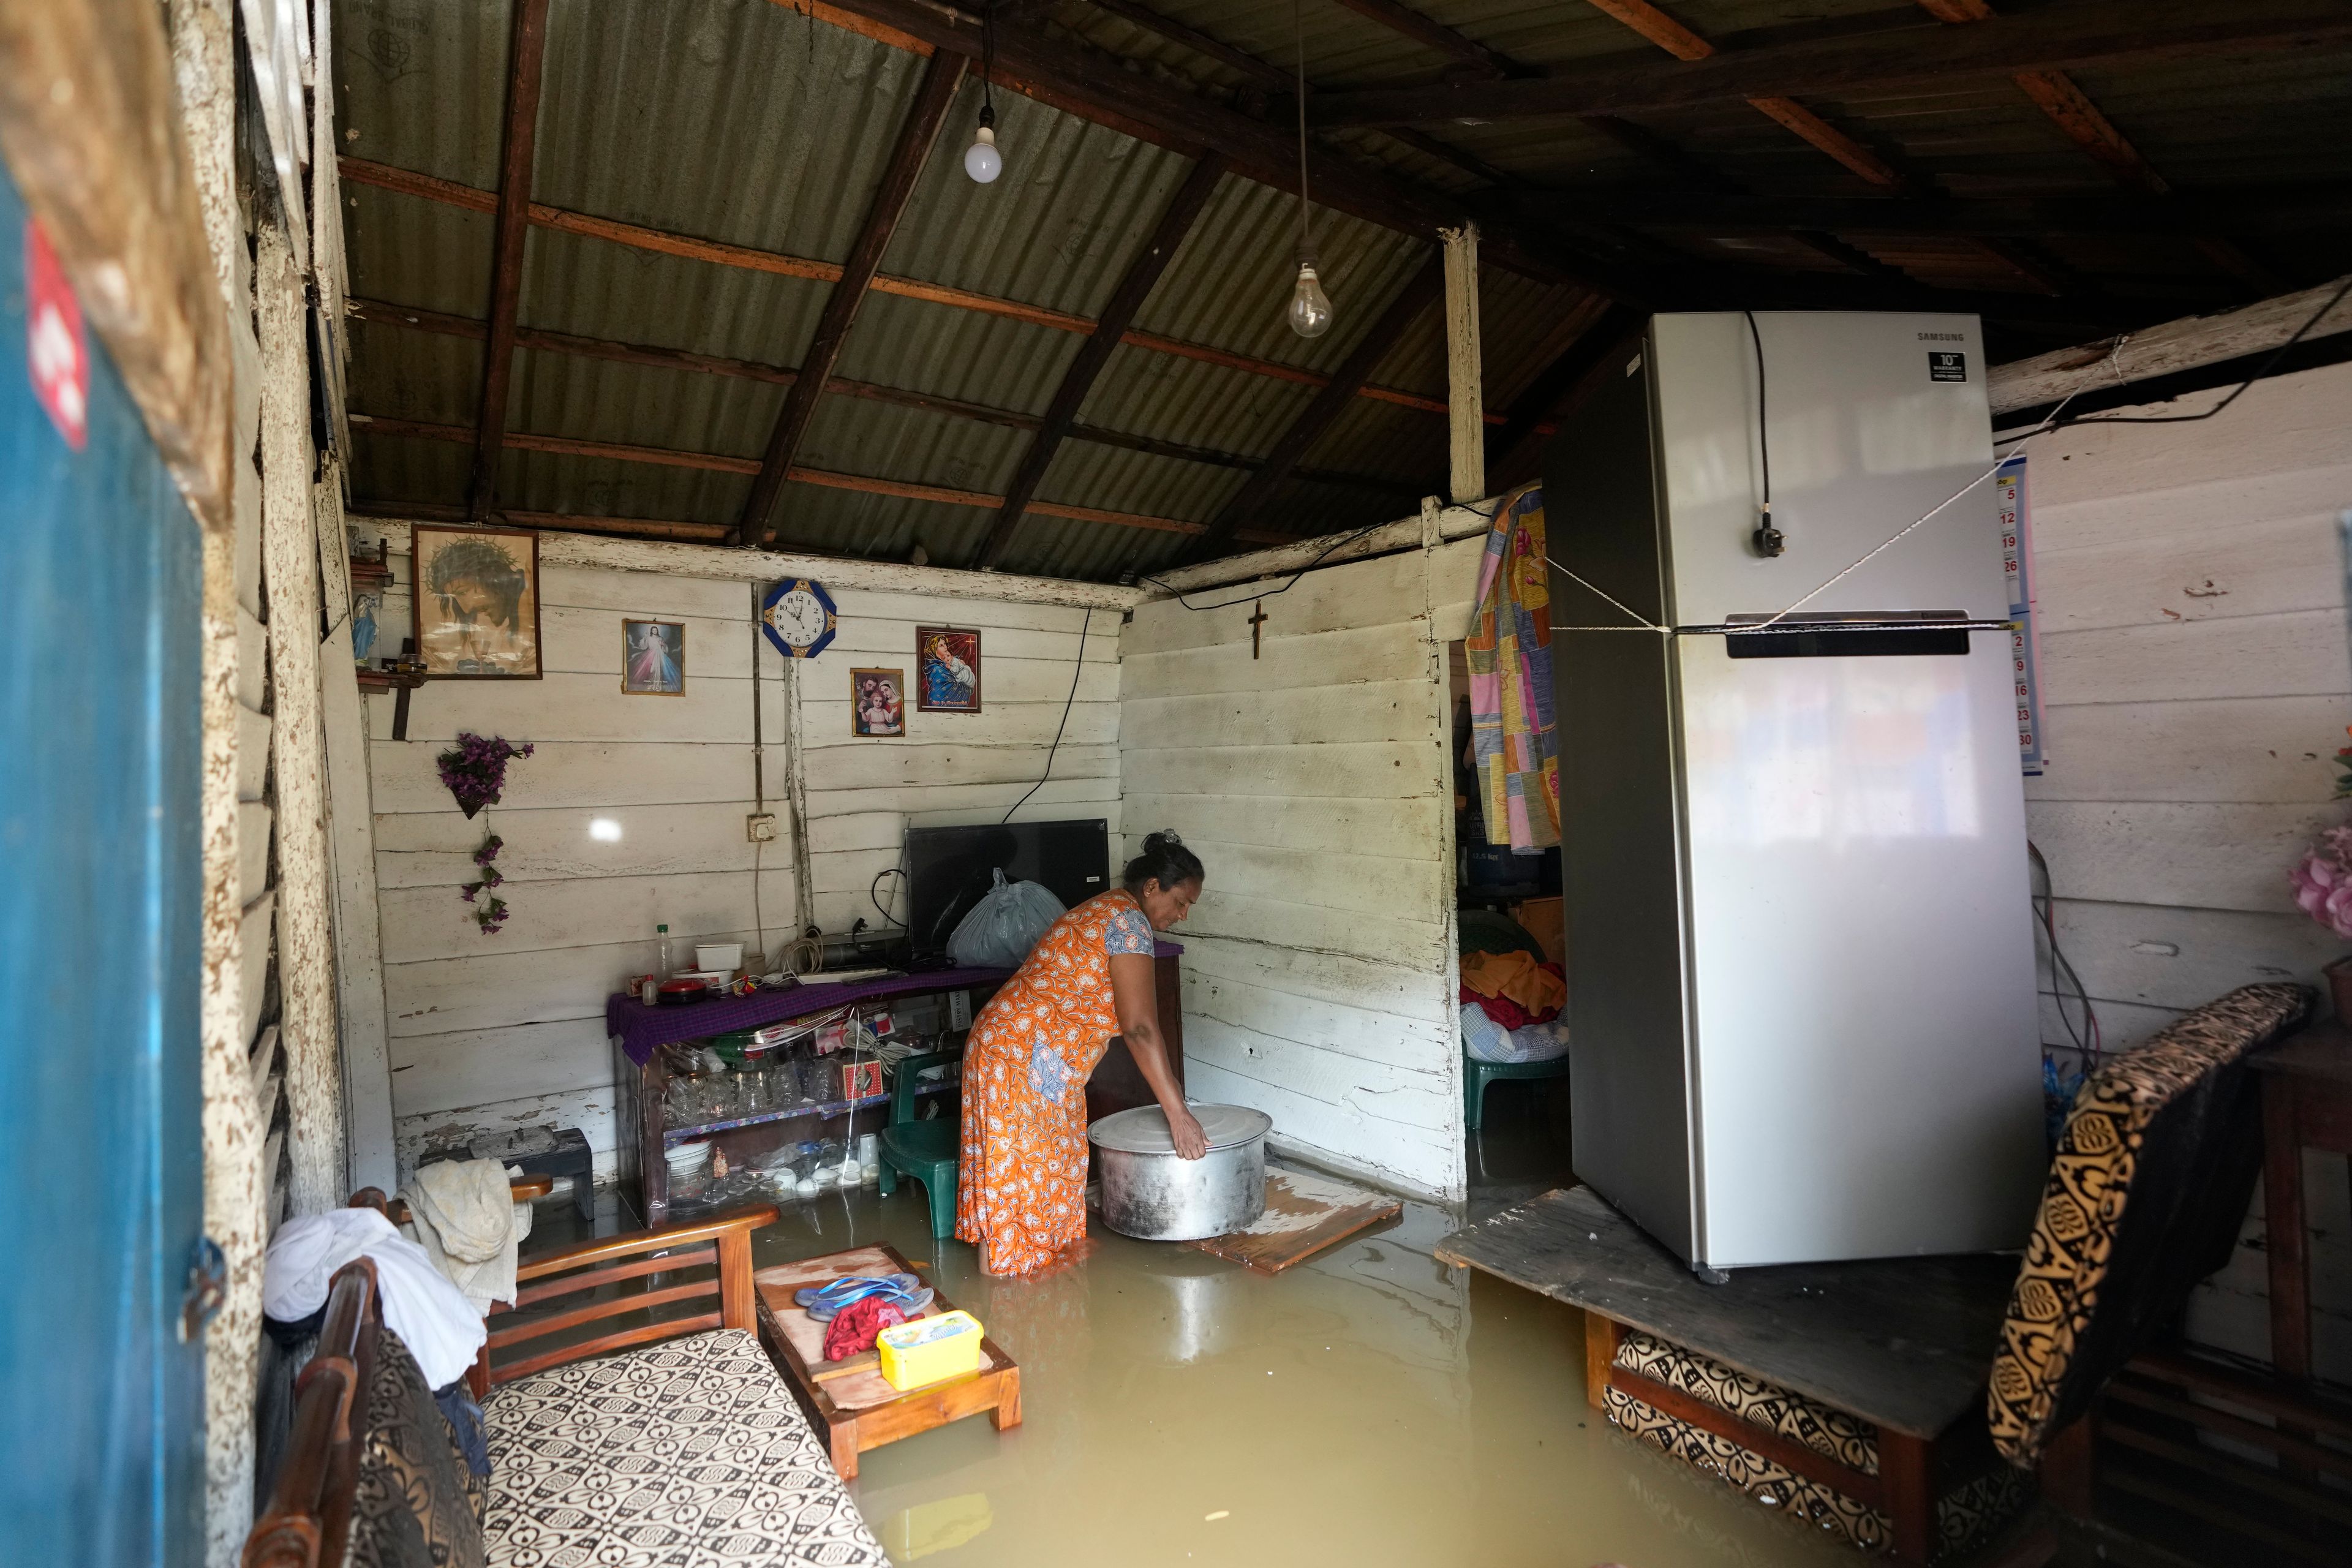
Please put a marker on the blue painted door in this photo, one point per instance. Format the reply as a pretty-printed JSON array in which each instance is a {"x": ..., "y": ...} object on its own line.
[{"x": 101, "y": 1178}]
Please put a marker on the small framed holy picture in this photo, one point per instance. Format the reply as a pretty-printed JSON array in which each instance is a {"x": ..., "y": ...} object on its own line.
[
  {"x": 877, "y": 701},
  {"x": 946, "y": 670},
  {"x": 653, "y": 658}
]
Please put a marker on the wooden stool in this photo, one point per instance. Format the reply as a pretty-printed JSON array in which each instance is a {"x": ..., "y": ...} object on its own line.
[{"x": 849, "y": 1401}]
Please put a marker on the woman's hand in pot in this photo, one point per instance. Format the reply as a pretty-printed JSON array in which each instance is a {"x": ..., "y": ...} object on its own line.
[{"x": 1191, "y": 1143}]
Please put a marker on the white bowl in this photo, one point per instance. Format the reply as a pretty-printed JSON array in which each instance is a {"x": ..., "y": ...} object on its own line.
[{"x": 686, "y": 1157}]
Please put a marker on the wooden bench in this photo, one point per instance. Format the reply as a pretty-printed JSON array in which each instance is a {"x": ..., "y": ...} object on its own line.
[{"x": 696, "y": 1386}]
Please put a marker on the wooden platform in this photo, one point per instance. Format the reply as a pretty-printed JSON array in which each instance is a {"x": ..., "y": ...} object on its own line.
[
  {"x": 1305, "y": 1213},
  {"x": 850, "y": 1400},
  {"x": 1905, "y": 1343}
]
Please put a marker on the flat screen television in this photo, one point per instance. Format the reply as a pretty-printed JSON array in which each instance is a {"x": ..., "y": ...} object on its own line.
[{"x": 948, "y": 869}]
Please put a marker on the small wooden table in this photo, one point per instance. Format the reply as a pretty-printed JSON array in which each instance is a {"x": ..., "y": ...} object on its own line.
[
  {"x": 850, "y": 1400},
  {"x": 2307, "y": 1104}
]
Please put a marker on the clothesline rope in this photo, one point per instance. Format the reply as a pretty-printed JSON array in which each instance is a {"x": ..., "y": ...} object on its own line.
[{"x": 1772, "y": 624}]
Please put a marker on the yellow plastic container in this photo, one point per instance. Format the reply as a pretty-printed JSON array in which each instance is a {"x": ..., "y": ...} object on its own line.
[{"x": 929, "y": 1349}]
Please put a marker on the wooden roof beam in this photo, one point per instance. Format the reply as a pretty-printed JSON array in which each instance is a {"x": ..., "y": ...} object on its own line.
[
  {"x": 1142, "y": 274},
  {"x": 1434, "y": 35},
  {"x": 2065, "y": 34},
  {"x": 1099, "y": 88},
  {"x": 720, "y": 462},
  {"x": 449, "y": 192},
  {"x": 942, "y": 79},
  {"x": 526, "y": 54},
  {"x": 1556, "y": 392},
  {"x": 2070, "y": 109},
  {"x": 1420, "y": 292}
]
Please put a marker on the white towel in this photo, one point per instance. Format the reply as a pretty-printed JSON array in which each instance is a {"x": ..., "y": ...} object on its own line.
[
  {"x": 462, "y": 1214},
  {"x": 431, "y": 1315}
]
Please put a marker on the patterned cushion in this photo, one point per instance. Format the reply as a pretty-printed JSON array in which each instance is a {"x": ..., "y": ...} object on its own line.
[
  {"x": 1834, "y": 1434},
  {"x": 2153, "y": 1174},
  {"x": 686, "y": 1454},
  {"x": 418, "y": 1504}
]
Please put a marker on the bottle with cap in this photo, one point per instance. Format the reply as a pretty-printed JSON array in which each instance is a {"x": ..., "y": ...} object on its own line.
[{"x": 662, "y": 960}]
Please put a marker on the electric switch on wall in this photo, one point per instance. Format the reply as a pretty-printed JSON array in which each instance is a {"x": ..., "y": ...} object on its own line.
[{"x": 762, "y": 826}]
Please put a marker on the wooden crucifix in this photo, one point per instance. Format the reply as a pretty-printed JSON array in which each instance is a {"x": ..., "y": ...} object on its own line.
[{"x": 1256, "y": 621}]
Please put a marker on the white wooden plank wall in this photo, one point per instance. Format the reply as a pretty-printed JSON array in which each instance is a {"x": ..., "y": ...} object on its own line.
[
  {"x": 1318, "y": 965},
  {"x": 495, "y": 1031},
  {"x": 2196, "y": 680}
]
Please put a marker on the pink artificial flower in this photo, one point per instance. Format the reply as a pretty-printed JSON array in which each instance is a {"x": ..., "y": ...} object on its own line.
[{"x": 2322, "y": 884}]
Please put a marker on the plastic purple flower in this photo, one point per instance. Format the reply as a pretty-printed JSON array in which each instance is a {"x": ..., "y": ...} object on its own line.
[{"x": 475, "y": 773}]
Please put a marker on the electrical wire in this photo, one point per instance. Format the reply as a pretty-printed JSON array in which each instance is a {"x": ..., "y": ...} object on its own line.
[
  {"x": 1339, "y": 544},
  {"x": 900, "y": 872},
  {"x": 2087, "y": 1043},
  {"x": 1763, "y": 422},
  {"x": 1067, "y": 702},
  {"x": 2259, "y": 371},
  {"x": 1299, "y": 54}
]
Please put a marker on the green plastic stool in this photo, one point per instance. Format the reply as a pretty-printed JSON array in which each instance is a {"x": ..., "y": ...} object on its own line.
[
  {"x": 1476, "y": 1075},
  {"x": 926, "y": 1151}
]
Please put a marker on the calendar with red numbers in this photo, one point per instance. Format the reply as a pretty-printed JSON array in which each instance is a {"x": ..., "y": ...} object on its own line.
[{"x": 2017, "y": 565}]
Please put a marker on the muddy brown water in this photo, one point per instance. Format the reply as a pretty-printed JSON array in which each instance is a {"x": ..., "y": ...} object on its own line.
[{"x": 1368, "y": 1407}]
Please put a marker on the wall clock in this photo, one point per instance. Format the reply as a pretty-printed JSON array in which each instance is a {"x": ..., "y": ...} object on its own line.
[{"x": 799, "y": 618}]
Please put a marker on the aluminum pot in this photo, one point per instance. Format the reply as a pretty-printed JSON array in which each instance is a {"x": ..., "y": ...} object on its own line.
[{"x": 1151, "y": 1192}]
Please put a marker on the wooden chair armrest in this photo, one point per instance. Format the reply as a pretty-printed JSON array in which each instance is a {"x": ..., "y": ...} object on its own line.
[
  {"x": 306, "y": 1520},
  {"x": 740, "y": 1222},
  {"x": 521, "y": 1190}
]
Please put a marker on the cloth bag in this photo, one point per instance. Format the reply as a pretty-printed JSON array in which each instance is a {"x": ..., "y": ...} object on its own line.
[{"x": 1004, "y": 925}]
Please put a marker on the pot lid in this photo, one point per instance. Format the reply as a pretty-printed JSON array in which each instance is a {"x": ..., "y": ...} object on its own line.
[{"x": 1144, "y": 1130}]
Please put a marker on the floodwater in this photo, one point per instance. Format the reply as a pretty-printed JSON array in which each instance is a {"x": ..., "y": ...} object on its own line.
[{"x": 1367, "y": 1407}]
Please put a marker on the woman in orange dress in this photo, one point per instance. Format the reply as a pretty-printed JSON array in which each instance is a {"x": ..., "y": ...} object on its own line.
[{"x": 1021, "y": 1183}]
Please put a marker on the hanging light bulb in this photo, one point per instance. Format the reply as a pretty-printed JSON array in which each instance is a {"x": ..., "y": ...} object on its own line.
[
  {"x": 1309, "y": 314},
  {"x": 982, "y": 161},
  {"x": 1310, "y": 308}
]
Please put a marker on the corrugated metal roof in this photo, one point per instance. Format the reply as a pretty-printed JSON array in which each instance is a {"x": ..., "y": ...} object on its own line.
[{"x": 750, "y": 124}]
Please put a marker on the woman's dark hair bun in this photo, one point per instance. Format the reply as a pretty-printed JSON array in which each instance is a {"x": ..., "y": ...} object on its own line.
[{"x": 1164, "y": 860}]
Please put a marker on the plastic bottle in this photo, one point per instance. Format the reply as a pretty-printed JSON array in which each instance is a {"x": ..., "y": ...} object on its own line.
[{"x": 661, "y": 937}]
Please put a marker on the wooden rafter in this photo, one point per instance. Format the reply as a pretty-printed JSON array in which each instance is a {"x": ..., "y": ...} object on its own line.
[
  {"x": 2070, "y": 109},
  {"x": 361, "y": 170},
  {"x": 1183, "y": 210},
  {"x": 542, "y": 341},
  {"x": 1556, "y": 393},
  {"x": 2061, "y": 36},
  {"x": 1654, "y": 25},
  {"x": 720, "y": 462},
  {"x": 1418, "y": 294},
  {"x": 1100, "y": 87},
  {"x": 525, "y": 55},
  {"x": 1434, "y": 34},
  {"x": 943, "y": 78}
]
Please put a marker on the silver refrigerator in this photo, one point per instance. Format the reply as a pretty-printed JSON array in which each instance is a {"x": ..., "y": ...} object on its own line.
[{"x": 1801, "y": 1005}]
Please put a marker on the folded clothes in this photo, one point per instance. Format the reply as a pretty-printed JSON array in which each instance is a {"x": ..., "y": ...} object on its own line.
[
  {"x": 855, "y": 1328},
  {"x": 906, "y": 1292},
  {"x": 1538, "y": 990}
]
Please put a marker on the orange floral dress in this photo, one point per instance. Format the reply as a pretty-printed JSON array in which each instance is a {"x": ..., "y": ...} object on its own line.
[{"x": 1021, "y": 1183}]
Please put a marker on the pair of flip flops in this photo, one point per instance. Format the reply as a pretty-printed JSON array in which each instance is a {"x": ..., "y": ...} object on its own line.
[{"x": 904, "y": 1291}]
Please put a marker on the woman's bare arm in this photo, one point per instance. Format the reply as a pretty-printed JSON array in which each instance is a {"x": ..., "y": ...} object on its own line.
[{"x": 1135, "y": 997}]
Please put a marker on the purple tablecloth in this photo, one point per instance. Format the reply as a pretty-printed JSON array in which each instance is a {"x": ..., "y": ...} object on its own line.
[{"x": 641, "y": 1028}]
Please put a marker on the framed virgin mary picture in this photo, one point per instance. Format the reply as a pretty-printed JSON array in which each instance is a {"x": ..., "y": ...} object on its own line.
[
  {"x": 474, "y": 593},
  {"x": 946, "y": 670}
]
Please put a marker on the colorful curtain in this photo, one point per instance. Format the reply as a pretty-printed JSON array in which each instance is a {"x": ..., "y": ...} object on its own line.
[{"x": 1512, "y": 732}]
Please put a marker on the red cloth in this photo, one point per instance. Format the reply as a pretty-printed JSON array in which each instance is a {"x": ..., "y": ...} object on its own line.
[
  {"x": 853, "y": 1327},
  {"x": 1508, "y": 1014}
]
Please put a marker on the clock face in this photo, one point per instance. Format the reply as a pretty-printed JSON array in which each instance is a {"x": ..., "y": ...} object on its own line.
[{"x": 799, "y": 617}]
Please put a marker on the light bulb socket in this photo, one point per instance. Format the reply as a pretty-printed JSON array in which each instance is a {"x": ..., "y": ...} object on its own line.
[
  {"x": 983, "y": 137},
  {"x": 987, "y": 119}
]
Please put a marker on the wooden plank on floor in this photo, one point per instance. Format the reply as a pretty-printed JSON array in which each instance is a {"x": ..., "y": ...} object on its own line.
[
  {"x": 1905, "y": 1342},
  {"x": 1305, "y": 1213}
]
